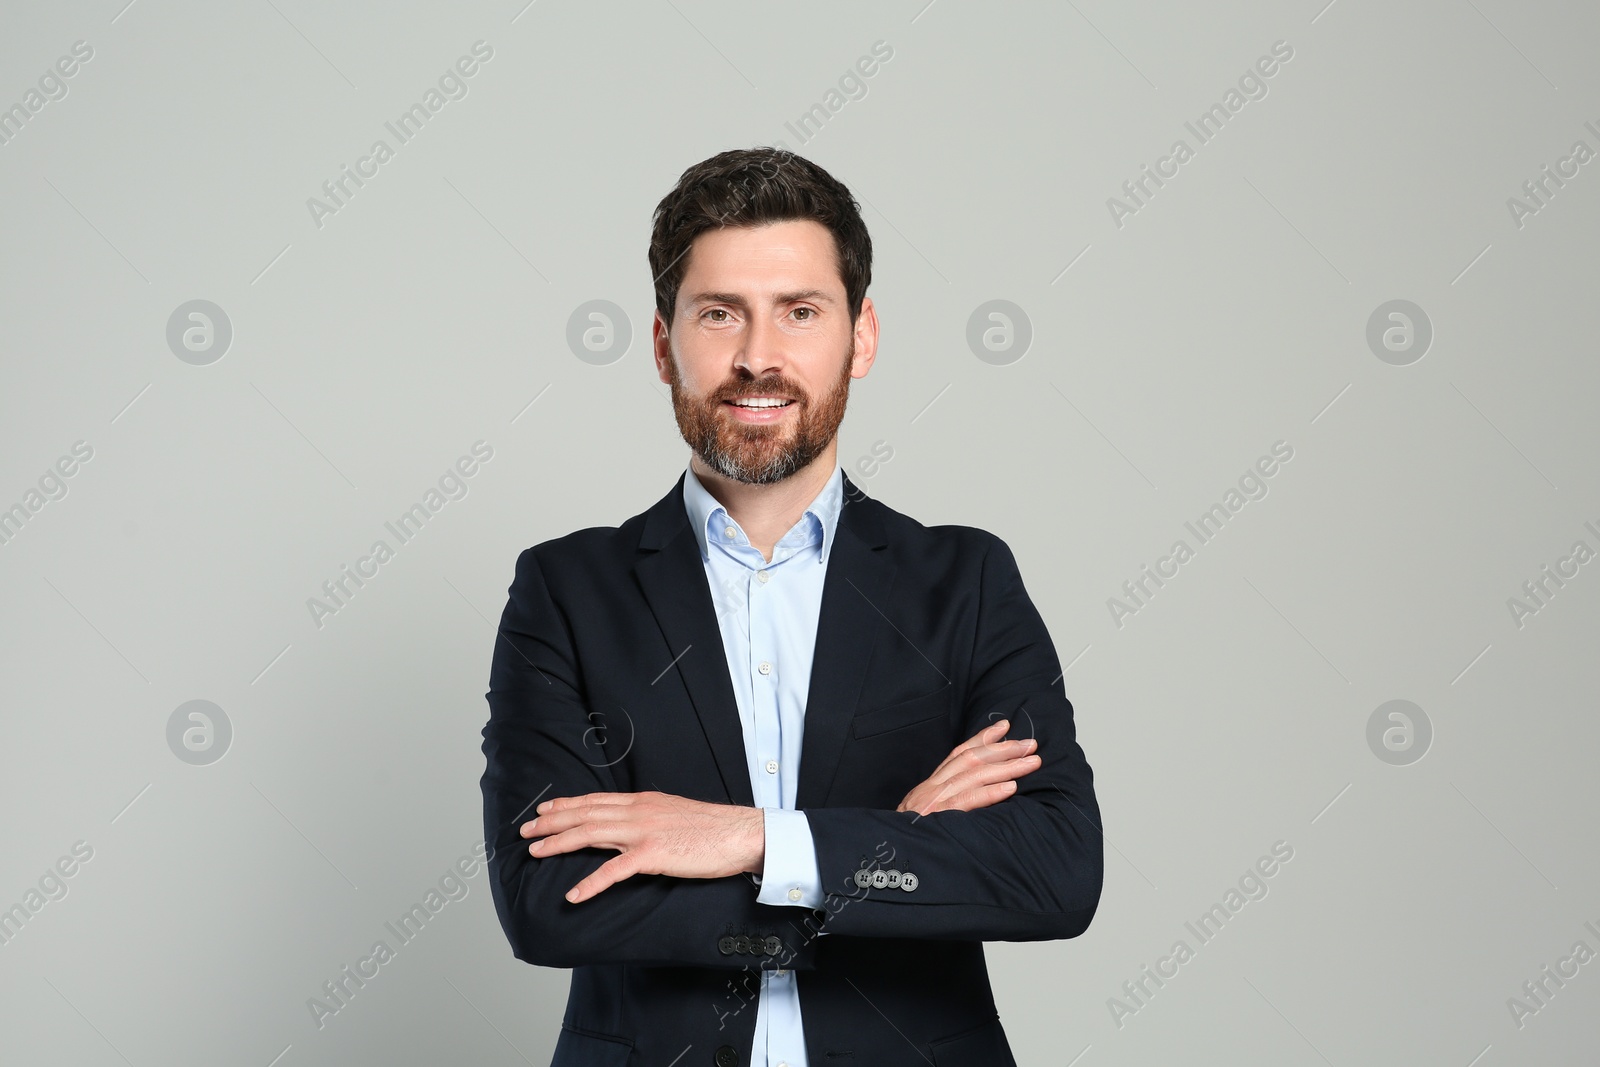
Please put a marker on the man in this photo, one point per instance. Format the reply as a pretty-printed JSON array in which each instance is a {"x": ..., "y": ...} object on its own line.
[{"x": 747, "y": 754}]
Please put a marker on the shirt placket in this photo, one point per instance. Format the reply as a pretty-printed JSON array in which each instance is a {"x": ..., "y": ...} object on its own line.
[
  {"x": 756, "y": 607},
  {"x": 764, "y": 669},
  {"x": 772, "y": 757}
]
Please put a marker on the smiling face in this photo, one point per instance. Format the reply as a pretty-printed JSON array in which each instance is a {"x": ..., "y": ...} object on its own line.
[{"x": 761, "y": 349}]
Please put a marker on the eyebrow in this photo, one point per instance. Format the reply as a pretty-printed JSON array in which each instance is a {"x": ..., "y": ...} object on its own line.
[{"x": 739, "y": 301}]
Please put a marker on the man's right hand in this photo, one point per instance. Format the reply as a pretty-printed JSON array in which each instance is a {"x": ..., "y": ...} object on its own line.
[{"x": 978, "y": 772}]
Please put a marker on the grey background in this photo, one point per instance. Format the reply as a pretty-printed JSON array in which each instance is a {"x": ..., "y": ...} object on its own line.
[{"x": 1167, "y": 355}]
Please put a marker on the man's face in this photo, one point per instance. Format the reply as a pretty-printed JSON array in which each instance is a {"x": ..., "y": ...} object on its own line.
[{"x": 761, "y": 316}]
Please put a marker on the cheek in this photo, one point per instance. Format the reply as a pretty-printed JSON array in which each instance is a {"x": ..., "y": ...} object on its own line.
[{"x": 694, "y": 368}]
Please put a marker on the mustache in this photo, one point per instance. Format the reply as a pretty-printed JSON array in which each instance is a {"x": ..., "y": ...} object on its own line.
[{"x": 777, "y": 389}]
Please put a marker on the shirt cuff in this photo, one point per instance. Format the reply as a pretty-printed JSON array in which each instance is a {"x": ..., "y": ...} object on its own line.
[{"x": 789, "y": 872}]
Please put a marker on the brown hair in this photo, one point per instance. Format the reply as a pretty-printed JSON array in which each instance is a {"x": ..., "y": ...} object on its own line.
[{"x": 751, "y": 187}]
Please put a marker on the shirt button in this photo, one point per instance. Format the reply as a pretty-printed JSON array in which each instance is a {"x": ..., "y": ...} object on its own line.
[
  {"x": 728, "y": 533},
  {"x": 772, "y": 766},
  {"x": 762, "y": 576},
  {"x": 765, "y": 667},
  {"x": 794, "y": 894}
]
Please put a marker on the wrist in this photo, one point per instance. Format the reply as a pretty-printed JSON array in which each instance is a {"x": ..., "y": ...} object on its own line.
[{"x": 757, "y": 835}]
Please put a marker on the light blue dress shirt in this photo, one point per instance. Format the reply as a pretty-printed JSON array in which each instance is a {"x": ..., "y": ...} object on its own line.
[{"x": 767, "y": 613}]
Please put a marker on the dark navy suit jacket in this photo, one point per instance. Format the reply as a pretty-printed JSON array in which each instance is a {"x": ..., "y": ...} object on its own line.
[{"x": 609, "y": 675}]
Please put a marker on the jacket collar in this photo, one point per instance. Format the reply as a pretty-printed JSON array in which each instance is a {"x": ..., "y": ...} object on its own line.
[{"x": 855, "y": 593}]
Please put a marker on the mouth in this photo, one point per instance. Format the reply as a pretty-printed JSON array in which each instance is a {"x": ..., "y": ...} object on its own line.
[{"x": 759, "y": 409}]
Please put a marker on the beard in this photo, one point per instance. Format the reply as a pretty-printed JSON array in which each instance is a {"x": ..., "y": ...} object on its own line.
[{"x": 754, "y": 453}]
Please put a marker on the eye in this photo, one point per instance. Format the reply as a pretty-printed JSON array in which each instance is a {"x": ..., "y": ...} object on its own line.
[
  {"x": 716, "y": 311},
  {"x": 811, "y": 313}
]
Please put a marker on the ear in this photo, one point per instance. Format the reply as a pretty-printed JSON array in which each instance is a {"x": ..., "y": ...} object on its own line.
[
  {"x": 661, "y": 347},
  {"x": 866, "y": 338}
]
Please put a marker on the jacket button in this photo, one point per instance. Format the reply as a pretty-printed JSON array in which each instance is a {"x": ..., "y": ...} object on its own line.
[
  {"x": 773, "y": 945},
  {"x": 727, "y": 1056},
  {"x": 725, "y": 946},
  {"x": 880, "y": 878},
  {"x": 908, "y": 881},
  {"x": 893, "y": 877},
  {"x": 863, "y": 878},
  {"x": 741, "y": 944}
]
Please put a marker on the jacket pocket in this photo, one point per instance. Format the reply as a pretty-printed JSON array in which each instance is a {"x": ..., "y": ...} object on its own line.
[
  {"x": 576, "y": 1048},
  {"x": 984, "y": 1045},
  {"x": 917, "y": 709}
]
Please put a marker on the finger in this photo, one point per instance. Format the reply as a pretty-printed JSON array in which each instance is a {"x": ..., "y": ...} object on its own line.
[
  {"x": 970, "y": 799},
  {"x": 991, "y": 773},
  {"x": 989, "y": 735},
  {"x": 585, "y": 835},
  {"x": 560, "y": 803},
  {"x": 606, "y": 875},
  {"x": 984, "y": 796},
  {"x": 1005, "y": 770},
  {"x": 992, "y": 732},
  {"x": 998, "y": 751},
  {"x": 964, "y": 759},
  {"x": 568, "y": 812},
  {"x": 554, "y": 845},
  {"x": 554, "y": 822},
  {"x": 939, "y": 793}
]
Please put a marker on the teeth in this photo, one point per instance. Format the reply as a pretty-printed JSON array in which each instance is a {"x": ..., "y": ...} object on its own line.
[{"x": 760, "y": 402}]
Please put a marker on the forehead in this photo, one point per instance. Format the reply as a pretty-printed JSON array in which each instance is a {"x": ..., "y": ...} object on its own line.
[{"x": 775, "y": 254}]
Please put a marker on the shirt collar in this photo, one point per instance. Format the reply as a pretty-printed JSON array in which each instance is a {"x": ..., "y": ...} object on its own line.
[{"x": 704, "y": 510}]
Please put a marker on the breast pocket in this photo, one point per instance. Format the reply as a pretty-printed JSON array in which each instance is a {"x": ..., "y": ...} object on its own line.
[{"x": 926, "y": 708}]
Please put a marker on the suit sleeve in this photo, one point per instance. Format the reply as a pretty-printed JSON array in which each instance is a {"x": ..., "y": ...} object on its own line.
[
  {"x": 541, "y": 741},
  {"x": 1026, "y": 869}
]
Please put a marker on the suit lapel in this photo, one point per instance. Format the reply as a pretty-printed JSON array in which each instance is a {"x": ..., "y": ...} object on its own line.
[
  {"x": 855, "y": 589},
  {"x": 673, "y": 578}
]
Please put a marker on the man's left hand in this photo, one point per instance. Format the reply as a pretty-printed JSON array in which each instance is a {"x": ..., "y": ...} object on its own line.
[{"x": 656, "y": 833}]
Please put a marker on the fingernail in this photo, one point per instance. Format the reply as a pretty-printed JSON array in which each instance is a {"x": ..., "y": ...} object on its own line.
[{"x": 572, "y": 896}]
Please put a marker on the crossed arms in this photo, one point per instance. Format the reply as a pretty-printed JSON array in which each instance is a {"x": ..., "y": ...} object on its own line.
[{"x": 1007, "y": 840}]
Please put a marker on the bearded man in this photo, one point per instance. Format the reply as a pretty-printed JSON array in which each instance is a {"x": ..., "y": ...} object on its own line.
[{"x": 769, "y": 762}]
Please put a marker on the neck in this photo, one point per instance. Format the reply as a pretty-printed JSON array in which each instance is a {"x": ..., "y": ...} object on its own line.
[{"x": 767, "y": 512}]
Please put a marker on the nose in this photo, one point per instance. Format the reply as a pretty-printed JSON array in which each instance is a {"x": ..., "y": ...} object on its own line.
[{"x": 762, "y": 351}]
